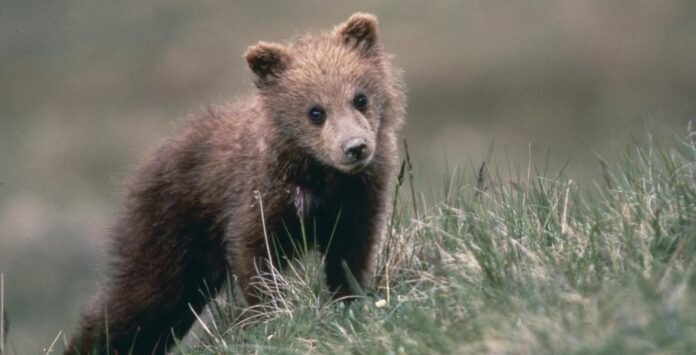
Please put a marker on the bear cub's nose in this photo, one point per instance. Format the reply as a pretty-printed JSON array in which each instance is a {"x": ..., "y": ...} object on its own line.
[{"x": 355, "y": 148}]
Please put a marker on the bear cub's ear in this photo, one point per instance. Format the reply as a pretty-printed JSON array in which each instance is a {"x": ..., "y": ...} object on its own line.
[
  {"x": 360, "y": 31},
  {"x": 267, "y": 60}
]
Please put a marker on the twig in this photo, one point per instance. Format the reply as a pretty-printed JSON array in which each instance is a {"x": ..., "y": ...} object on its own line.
[
  {"x": 409, "y": 169},
  {"x": 480, "y": 180},
  {"x": 388, "y": 247},
  {"x": 2, "y": 313},
  {"x": 605, "y": 174},
  {"x": 564, "y": 215},
  {"x": 53, "y": 343},
  {"x": 257, "y": 195},
  {"x": 399, "y": 182},
  {"x": 529, "y": 164}
]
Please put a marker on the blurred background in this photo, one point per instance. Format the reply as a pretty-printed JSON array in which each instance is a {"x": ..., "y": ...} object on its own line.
[{"x": 87, "y": 88}]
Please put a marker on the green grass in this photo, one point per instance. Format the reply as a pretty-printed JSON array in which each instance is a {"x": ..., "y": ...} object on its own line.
[{"x": 523, "y": 264}]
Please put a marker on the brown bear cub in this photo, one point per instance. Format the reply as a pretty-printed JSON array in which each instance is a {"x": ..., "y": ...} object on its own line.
[{"x": 315, "y": 145}]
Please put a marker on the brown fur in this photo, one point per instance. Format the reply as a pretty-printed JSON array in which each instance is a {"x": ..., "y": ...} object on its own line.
[{"x": 191, "y": 213}]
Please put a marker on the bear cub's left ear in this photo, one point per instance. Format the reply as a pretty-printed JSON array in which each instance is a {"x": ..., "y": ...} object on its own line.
[{"x": 360, "y": 31}]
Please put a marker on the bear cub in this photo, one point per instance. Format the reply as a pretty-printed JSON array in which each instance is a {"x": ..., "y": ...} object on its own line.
[{"x": 315, "y": 145}]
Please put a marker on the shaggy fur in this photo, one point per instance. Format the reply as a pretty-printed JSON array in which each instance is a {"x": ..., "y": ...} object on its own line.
[{"x": 192, "y": 212}]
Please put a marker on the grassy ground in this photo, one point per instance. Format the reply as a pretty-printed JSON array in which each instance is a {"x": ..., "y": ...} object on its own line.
[{"x": 524, "y": 264}]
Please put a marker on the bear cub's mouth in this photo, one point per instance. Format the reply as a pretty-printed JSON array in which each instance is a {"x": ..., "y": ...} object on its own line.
[{"x": 355, "y": 166}]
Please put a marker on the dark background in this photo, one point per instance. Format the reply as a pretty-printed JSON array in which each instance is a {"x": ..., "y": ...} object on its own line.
[{"x": 87, "y": 88}]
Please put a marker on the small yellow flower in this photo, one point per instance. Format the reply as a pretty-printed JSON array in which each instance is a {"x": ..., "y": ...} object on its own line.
[{"x": 380, "y": 303}]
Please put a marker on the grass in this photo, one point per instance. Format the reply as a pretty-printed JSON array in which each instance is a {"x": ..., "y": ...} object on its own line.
[{"x": 527, "y": 264}]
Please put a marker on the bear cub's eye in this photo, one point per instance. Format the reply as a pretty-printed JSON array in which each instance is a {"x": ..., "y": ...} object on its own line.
[
  {"x": 317, "y": 114},
  {"x": 360, "y": 102}
]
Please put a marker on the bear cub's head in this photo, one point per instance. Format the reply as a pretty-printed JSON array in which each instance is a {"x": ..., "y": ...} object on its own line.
[{"x": 326, "y": 94}]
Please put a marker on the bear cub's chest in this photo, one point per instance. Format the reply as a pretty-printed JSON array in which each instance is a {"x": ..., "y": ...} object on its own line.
[{"x": 304, "y": 201}]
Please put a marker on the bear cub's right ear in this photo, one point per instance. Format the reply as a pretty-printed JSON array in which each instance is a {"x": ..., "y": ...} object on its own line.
[{"x": 267, "y": 61}]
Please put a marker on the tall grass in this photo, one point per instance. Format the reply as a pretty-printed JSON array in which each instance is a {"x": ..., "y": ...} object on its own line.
[{"x": 513, "y": 262}]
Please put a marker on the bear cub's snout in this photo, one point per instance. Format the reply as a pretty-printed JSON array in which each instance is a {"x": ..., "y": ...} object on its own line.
[{"x": 355, "y": 148}]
